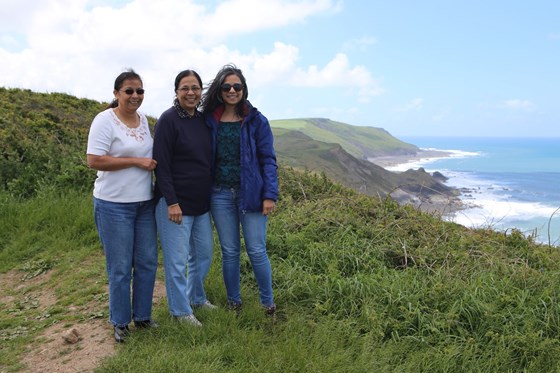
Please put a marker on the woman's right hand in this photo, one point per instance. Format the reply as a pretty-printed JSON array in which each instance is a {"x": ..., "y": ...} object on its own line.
[
  {"x": 147, "y": 164},
  {"x": 175, "y": 214}
]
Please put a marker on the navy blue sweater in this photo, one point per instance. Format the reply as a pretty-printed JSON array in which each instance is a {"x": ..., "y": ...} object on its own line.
[{"x": 183, "y": 149}]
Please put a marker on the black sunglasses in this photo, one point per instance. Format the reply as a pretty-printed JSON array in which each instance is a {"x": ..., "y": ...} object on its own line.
[
  {"x": 130, "y": 91},
  {"x": 236, "y": 87}
]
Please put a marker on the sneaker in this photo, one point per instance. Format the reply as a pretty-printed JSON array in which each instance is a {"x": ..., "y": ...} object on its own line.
[
  {"x": 188, "y": 319},
  {"x": 206, "y": 305},
  {"x": 270, "y": 310},
  {"x": 121, "y": 333},
  {"x": 146, "y": 324}
]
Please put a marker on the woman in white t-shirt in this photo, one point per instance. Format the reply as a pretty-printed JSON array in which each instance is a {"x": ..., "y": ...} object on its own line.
[{"x": 120, "y": 149}]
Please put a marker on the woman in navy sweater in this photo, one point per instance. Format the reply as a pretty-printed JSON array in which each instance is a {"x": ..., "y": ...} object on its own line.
[{"x": 183, "y": 148}]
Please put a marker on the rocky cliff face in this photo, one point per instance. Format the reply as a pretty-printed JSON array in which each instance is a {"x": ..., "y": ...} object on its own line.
[{"x": 414, "y": 187}]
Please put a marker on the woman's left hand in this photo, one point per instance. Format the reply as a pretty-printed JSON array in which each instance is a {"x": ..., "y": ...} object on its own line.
[{"x": 268, "y": 206}]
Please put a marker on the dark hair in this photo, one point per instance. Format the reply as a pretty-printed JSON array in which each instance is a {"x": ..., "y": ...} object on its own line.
[
  {"x": 213, "y": 96},
  {"x": 184, "y": 73},
  {"x": 127, "y": 74}
]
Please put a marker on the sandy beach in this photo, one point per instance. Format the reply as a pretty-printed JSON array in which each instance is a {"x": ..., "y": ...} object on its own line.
[{"x": 420, "y": 156}]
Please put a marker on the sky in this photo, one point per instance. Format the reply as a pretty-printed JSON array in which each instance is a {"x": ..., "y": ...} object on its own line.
[{"x": 413, "y": 68}]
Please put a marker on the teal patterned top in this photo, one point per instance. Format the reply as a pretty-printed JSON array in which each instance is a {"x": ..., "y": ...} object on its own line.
[{"x": 227, "y": 155}]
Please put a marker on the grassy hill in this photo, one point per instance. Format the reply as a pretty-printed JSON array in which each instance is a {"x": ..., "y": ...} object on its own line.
[
  {"x": 360, "y": 142},
  {"x": 34, "y": 127},
  {"x": 415, "y": 187},
  {"x": 362, "y": 283}
]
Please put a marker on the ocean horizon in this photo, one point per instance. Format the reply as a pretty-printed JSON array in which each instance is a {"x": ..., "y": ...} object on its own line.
[{"x": 505, "y": 183}]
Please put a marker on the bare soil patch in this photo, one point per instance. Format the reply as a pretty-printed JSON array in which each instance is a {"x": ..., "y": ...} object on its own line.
[
  {"x": 50, "y": 351},
  {"x": 53, "y": 354}
]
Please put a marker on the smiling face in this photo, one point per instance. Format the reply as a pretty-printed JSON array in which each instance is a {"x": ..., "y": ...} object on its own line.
[
  {"x": 130, "y": 101},
  {"x": 189, "y": 93},
  {"x": 231, "y": 96}
]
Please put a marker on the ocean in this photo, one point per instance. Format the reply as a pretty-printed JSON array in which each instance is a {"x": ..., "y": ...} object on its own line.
[{"x": 505, "y": 182}]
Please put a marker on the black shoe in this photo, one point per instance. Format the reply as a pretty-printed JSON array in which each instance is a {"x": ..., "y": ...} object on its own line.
[
  {"x": 270, "y": 310},
  {"x": 146, "y": 324},
  {"x": 234, "y": 306},
  {"x": 121, "y": 333}
]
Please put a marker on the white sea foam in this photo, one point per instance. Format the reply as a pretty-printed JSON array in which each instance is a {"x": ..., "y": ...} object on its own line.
[
  {"x": 492, "y": 204},
  {"x": 422, "y": 162}
]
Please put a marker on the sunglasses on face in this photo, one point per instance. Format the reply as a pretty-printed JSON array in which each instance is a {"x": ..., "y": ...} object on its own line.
[
  {"x": 236, "y": 87},
  {"x": 130, "y": 91}
]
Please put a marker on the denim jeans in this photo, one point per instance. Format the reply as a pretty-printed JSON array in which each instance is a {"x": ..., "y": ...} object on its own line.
[
  {"x": 128, "y": 234},
  {"x": 227, "y": 219},
  {"x": 186, "y": 247}
]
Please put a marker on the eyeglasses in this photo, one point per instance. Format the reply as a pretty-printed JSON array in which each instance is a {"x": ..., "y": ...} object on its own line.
[
  {"x": 130, "y": 91},
  {"x": 236, "y": 87},
  {"x": 194, "y": 88}
]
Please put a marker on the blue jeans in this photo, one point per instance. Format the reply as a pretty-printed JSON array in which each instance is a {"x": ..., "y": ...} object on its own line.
[
  {"x": 227, "y": 219},
  {"x": 128, "y": 234},
  {"x": 185, "y": 246}
]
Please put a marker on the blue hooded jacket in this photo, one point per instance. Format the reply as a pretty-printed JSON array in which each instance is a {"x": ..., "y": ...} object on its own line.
[{"x": 258, "y": 168}]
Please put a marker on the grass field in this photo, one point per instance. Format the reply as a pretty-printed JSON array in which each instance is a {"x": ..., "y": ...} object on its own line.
[{"x": 362, "y": 285}]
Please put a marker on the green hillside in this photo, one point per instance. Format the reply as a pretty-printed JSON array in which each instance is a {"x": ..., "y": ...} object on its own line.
[
  {"x": 361, "y": 142},
  {"x": 416, "y": 187},
  {"x": 34, "y": 127},
  {"x": 362, "y": 283}
]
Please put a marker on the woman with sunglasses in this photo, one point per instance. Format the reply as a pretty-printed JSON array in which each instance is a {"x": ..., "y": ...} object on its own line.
[
  {"x": 183, "y": 148},
  {"x": 120, "y": 148},
  {"x": 245, "y": 186}
]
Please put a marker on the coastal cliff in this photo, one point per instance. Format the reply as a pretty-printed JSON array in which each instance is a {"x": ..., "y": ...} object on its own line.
[{"x": 350, "y": 158}]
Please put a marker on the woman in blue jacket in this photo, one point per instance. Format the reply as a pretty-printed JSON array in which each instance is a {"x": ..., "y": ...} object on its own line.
[{"x": 245, "y": 185}]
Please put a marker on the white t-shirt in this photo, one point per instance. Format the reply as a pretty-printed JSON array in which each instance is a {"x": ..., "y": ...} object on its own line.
[{"x": 109, "y": 136}]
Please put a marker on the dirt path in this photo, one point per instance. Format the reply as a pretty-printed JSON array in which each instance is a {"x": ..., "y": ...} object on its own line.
[{"x": 91, "y": 340}]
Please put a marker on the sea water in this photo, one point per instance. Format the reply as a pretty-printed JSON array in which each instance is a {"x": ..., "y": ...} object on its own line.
[{"x": 505, "y": 182}]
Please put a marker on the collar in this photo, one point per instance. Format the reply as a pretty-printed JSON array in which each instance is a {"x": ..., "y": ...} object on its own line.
[{"x": 182, "y": 112}]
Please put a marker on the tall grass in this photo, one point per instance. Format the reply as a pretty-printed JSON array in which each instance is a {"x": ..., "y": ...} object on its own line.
[{"x": 362, "y": 284}]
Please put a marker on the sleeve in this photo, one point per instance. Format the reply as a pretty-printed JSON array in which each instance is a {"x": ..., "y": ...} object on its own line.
[
  {"x": 267, "y": 159},
  {"x": 100, "y": 136},
  {"x": 164, "y": 140}
]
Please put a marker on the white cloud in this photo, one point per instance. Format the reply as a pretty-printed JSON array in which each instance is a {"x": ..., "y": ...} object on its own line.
[
  {"x": 280, "y": 62},
  {"x": 515, "y": 104},
  {"x": 242, "y": 16},
  {"x": 336, "y": 72},
  {"x": 80, "y": 46}
]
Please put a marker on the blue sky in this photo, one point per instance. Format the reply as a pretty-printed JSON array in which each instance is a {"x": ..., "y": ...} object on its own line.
[{"x": 433, "y": 67}]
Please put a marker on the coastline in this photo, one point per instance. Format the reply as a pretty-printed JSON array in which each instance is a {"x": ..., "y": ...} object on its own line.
[
  {"x": 496, "y": 187},
  {"x": 397, "y": 162},
  {"x": 442, "y": 204}
]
